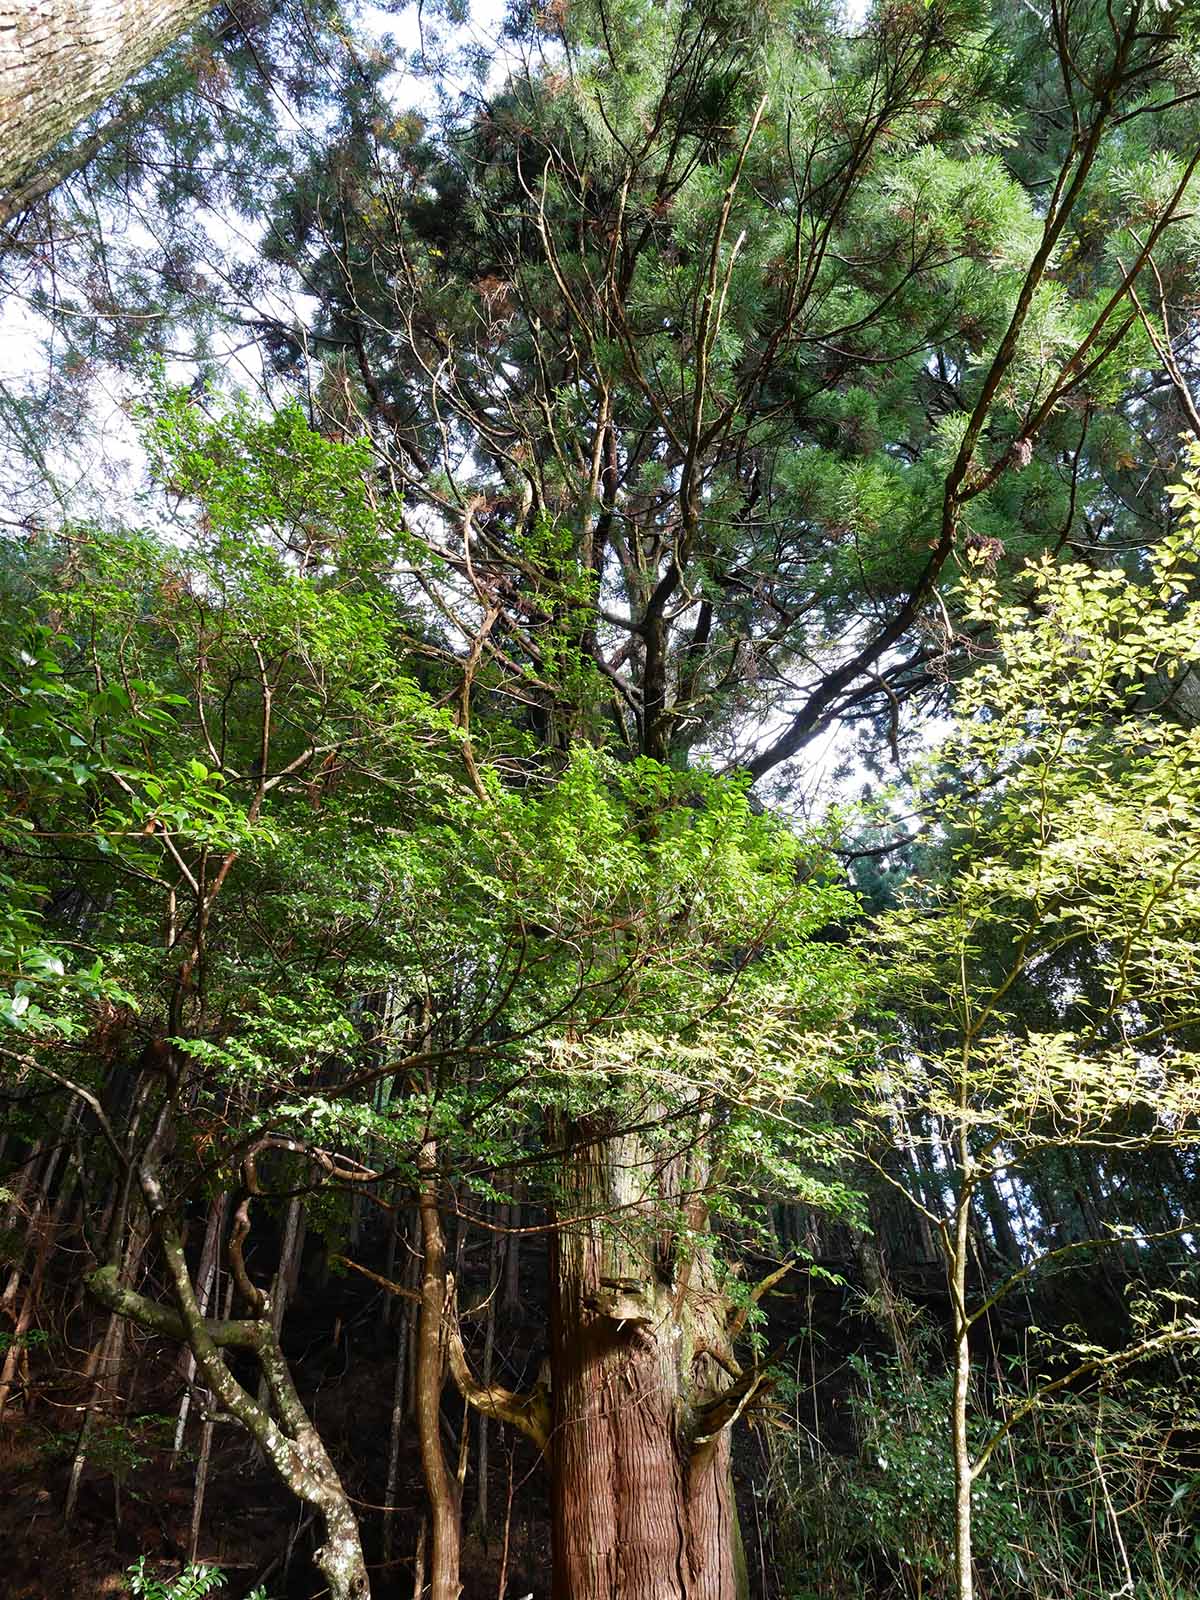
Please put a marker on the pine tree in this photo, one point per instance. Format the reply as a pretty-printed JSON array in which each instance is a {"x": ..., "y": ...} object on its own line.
[{"x": 707, "y": 348}]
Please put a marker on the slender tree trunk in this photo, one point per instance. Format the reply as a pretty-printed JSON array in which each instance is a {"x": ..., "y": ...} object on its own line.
[
  {"x": 412, "y": 1279},
  {"x": 200, "y": 1481},
  {"x": 1000, "y": 1219},
  {"x": 288, "y": 1439},
  {"x": 104, "y": 1364},
  {"x": 394, "y": 1437},
  {"x": 15, "y": 1209},
  {"x": 641, "y": 1490},
  {"x": 932, "y": 1198},
  {"x": 961, "y": 1245},
  {"x": 502, "y": 1579},
  {"x": 489, "y": 1345},
  {"x": 200, "y": 1488},
  {"x": 512, "y": 1260},
  {"x": 205, "y": 1281},
  {"x": 419, "y": 1560},
  {"x": 46, "y": 1223},
  {"x": 286, "y": 1273},
  {"x": 445, "y": 1491},
  {"x": 61, "y": 59},
  {"x": 883, "y": 1303},
  {"x": 34, "y": 1229},
  {"x": 403, "y": 1323}
]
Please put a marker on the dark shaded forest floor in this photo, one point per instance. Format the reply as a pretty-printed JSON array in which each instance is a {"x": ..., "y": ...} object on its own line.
[{"x": 136, "y": 1495}]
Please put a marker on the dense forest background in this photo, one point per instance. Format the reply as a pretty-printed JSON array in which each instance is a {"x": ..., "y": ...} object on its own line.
[{"x": 600, "y": 745}]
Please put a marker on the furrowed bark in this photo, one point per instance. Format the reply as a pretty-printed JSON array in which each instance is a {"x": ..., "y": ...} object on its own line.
[
  {"x": 61, "y": 59},
  {"x": 641, "y": 1492}
]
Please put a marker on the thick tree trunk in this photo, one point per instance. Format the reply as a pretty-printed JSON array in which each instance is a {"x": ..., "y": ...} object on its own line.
[
  {"x": 642, "y": 1495},
  {"x": 61, "y": 59}
]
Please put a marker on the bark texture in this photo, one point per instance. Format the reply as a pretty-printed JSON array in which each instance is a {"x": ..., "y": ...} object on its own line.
[
  {"x": 287, "y": 1438},
  {"x": 61, "y": 59},
  {"x": 642, "y": 1494},
  {"x": 443, "y": 1487}
]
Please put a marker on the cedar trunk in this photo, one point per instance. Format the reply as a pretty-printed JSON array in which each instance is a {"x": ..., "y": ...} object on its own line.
[
  {"x": 61, "y": 59},
  {"x": 642, "y": 1500}
]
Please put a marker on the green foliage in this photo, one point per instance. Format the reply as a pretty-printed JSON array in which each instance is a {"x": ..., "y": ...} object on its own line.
[
  {"x": 117, "y": 1449},
  {"x": 192, "y": 1583},
  {"x": 54, "y": 759},
  {"x": 31, "y": 1339},
  {"x": 380, "y": 796},
  {"x": 882, "y": 226},
  {"x": 286, "y": 850},
  {"x": 1067, "y": 799},
  {"x": 1040, "y": 980},
  {"x": 1094, "y": 1499},
  {"x": 905, "y": 1494}
]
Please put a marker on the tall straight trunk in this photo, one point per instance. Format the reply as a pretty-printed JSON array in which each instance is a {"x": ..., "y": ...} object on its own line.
[
  {"x": 206, "y": 1279},
  {"x": 35, "y": 1216},
  {"x": 19, "y": 1186},
  {"x": 444, "y": 1489},
  {"x": 999, "y": 1219},
  {"x": 105, "y": 1362},
  {"x": 42, "y": 1226},
  {"x": 512, "y": 1260},
  {"x": 884, "y": 1304},
  {"x": 61, "y": 59},
  {"x": 395, "y": 1435},
  {"x": 489, "y": 1346},
  {"x": 960, "y": 1246},
  {"x": 17, "y": 1360},
  {"x": 931, "y": 1196},
  {"x": 641, "y": 1489},
  {"x": 203, "y": 1460},
  {"x": 402, "y": 1315},
  {"x": 287, "y": 1273},
  {"x": 419, "y": 1560}
]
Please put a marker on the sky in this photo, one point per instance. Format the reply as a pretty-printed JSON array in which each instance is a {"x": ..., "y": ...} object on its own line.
[
  {"x": 111, "y": 457},
  {"x": 107, "y": 473}
]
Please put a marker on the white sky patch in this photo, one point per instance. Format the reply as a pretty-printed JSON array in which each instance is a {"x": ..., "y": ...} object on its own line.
[
  {"x": 107, "y": 463},
  {"x": 106, "y": 473},
  {"x": 109, "y": 456}
]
